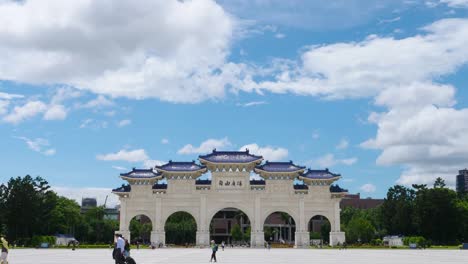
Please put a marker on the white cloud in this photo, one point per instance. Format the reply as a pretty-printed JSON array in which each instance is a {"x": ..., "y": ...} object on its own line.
[
  {"x": 164, "y": 141},
  {"x": 149, "y": 164},
  {"x": 124, "y": 122},
  {"x": 344, "y": 143},
  {"x": 9, "y": 96},
  {"x": 26, "y": 111},
  {"x": 77, "y": 194},
  {"x": 253, "y": 103},
  {"x": 268, "y": 152},
  {"x": 329, "y": 160},
  {"x": 98, "y": 102},
  {"x": 40, "y": 145},
  {"x": 455, "y": 3},
  {"x": 120, "y": 168},
  {"x": 55, "y": 112},
  {"x": 172, "y": 50},
  {"x": 368, "y": 188},
  {"x": 93, "y": 124},
  {"x": 391, "y": 20},
  {"x": 138, "y": 155},
  {"x": 206, "y": 146}
]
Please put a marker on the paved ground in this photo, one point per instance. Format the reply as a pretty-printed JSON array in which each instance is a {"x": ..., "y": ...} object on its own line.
[{"x": 241, "y": 256}]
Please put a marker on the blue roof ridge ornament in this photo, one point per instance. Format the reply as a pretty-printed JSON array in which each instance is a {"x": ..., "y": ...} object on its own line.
[{"x": 231, "y": 157}]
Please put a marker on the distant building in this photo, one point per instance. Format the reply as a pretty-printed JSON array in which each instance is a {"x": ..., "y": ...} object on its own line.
[
  {"x": 109, "y": 213},
  {"x": 88, "y": 202},
  {"x": 355, "y": 200},
  {"x": 462, "y": 181}
]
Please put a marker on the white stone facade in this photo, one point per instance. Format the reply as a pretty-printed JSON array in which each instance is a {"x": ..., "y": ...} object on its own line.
[{"x": 204, "y": 201}]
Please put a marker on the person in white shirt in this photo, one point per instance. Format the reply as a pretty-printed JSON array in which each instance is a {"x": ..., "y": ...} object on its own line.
[{"x": 120, "y": 246}]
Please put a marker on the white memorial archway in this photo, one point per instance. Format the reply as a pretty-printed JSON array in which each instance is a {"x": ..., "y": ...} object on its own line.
[{"x": 231, "y": 187}]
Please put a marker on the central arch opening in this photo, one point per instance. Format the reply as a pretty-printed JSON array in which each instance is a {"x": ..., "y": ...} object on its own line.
[
  {"x": 181, "y": 229},
  {"x": 231, "y": 226},
  {"x": 140, "y": 229},
  {"x": 279, "y": 228},
  {"x": 319, "y": 230}
]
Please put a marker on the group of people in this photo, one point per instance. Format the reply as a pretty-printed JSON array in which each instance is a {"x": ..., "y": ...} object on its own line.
[{"x": 121, "y": 253}]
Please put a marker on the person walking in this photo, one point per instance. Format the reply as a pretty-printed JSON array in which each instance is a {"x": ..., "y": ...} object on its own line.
[
  {"x": 118, "y": 253},
  {"x": 4, "y": 255},
  {"x": 214, "y": 249},
  {"x": 222, "y": 245}
]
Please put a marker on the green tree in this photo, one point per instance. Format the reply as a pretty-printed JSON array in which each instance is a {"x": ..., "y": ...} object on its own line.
[
  {"x": 181, "y": 229},
  {"x": 397, "y": 210},
  {"x": 236, "y": 233},
  {"x": 247, "y": 232},
  {"x": 27, "y": 204},
  {"x": 359, "y": 229},
  {"x": 65, "y": 216}
]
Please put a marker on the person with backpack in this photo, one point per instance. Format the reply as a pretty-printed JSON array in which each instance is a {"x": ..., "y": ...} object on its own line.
[
  {"x": 4, "y": 255},
  {"x": 214, "y": 249}
]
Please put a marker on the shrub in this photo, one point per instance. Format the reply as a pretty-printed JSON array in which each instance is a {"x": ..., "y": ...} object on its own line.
[{"x": 38, "y": 240}]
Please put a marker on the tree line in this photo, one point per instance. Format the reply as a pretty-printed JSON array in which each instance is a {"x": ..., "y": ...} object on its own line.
[
  {"x": 438, "y": 214},
  {"x": 30, "y": 208}
]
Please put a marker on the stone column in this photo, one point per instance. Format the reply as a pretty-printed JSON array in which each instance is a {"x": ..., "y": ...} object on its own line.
[
  {"x": 257, "y": 237},
  {"x": 302, "y": 235},
  {"x": 158, "y": 235},
  {"x": 336, "y": 236},
  {"x": 203, "y": 238},
  {"x": 123, "y": 224},
  {"x": 203, "y": 229}
]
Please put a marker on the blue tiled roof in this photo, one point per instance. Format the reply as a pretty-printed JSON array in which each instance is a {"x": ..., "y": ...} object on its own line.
[
  {"x": 203, "y": 182},
  {"x": 319, "y": 174},
  {"x": 300, "y": 187},
  {"x": 257, "y": 182},
  {"x": 230, "y": 157},
  {"x": 337, "y": 189},
  {"x": 123, "y": 188},
  {"x": 280, "y": 167},
  {"x": 180, "y": 166},
  {"x": 141, "y": 173},
  {"x": 160, "y": 186}
]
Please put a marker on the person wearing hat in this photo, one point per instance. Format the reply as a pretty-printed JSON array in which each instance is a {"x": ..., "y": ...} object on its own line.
[
  {"x": 4, "y": 255},
  {"x": 214, "y": 249}
]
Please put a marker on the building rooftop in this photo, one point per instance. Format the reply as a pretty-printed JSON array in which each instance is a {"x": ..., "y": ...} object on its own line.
[
  {"x": 230, "y": 157},
  {"x": 279, "y": 167},
  {"x": 141, "y": 173},
  {"x": 319, "y": 174},
  {"x": 176, "y": 166},
  {"x": 123, "y": 188}
]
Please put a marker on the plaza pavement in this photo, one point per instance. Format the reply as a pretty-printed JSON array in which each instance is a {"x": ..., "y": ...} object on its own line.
[{"x": 241, "y": 256}]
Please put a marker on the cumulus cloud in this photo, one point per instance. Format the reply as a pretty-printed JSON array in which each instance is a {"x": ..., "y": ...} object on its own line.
[
  {"x": 4, "y": 106},
  {"x": 9, "y": 96},
  {"x": 172, "y": 50},
  {"x": 77, "y": 194},
  {"x": 368, "y": 188},
  {"x": 26, "y": 111},
  {"x": 268, "y": 152},
  {"x": 55, "y": 112},
  {"x": 137, "y": 155},
  {"x": 40, "y": 145},
  {"x": 206, "y": 146},
  {"x": 329, "y": 160}
]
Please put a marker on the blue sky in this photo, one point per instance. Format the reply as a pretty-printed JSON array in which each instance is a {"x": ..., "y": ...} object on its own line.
[{"x": 374, "y": 90}]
